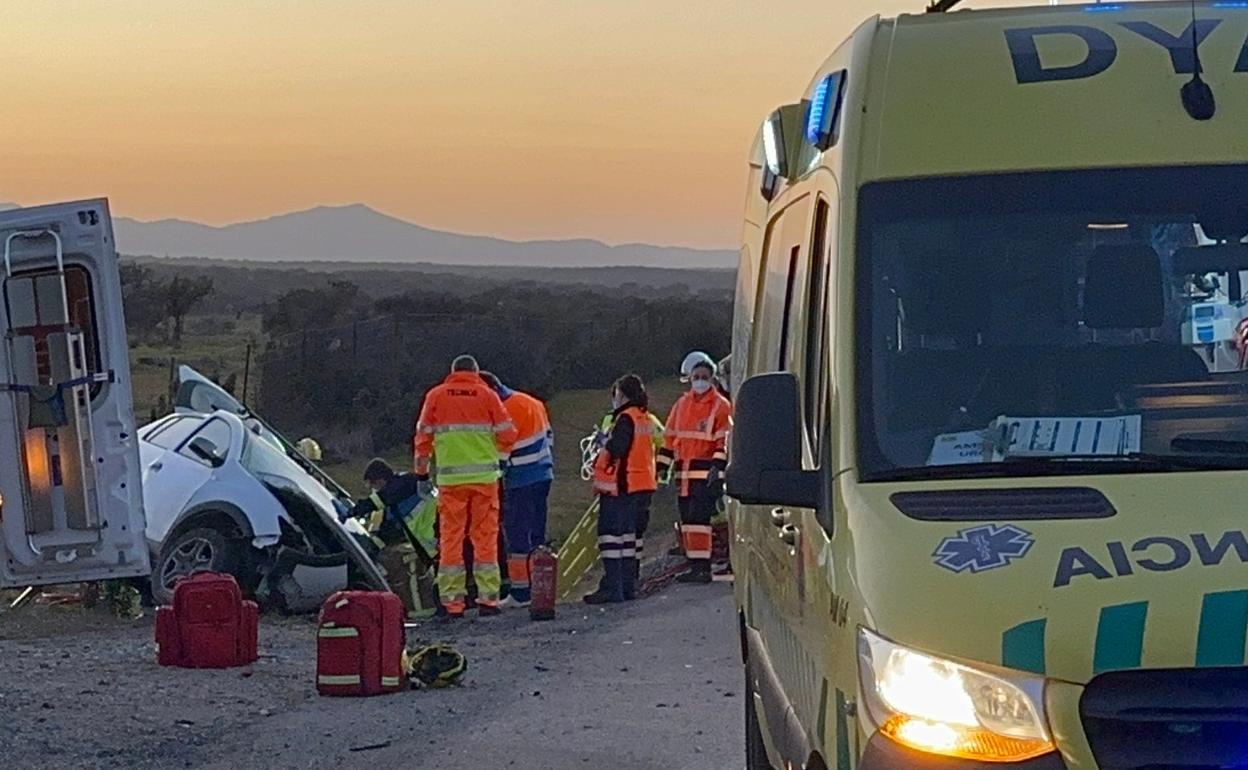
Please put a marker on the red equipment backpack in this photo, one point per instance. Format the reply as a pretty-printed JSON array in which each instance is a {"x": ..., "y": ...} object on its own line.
[
  {"x": 359, "y": 644},
  {"x": 209, "y": 624}
]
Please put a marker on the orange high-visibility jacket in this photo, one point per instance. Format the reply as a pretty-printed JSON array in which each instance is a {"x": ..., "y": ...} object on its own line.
[
  {"x": 465, "y": 431},
  {"x": 696, "y": 437},
  {"x": 637, "y": 468}
]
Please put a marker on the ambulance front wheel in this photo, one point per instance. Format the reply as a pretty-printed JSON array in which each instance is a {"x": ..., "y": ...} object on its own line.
[{"x": 201, "y": 549}]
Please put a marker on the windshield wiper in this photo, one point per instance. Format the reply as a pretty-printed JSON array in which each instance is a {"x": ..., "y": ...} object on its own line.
[
  {"x": 1069, "y": 465},
  {"x": 1220, "y": 444}
]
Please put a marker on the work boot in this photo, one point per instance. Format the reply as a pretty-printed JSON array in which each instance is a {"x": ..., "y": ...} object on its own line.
[
  {"x": 610, "y": 589},
  {"x": 632, "y": 579},
  {"x": 699, "y": 572}
]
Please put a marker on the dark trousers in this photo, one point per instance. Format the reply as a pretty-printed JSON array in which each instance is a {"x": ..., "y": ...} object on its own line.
[
  {"x": 524, "y": 522},
  {"x": 617, "y": 543}
]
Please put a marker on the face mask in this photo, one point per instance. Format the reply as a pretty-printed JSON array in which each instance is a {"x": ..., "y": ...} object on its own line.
[{"x": 701, "y": 386}]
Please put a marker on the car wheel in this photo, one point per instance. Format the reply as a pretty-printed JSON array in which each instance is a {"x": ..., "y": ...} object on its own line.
[
  {"x": 200, "y": 549},
  {"x": 755, "y": 749}
]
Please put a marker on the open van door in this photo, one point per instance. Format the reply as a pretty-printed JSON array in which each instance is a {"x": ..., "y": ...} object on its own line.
[{"x": 71, "y": 504}]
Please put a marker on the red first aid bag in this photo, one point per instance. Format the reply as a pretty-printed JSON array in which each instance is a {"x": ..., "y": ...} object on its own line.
[
  {"x": 209, "y": 624},
  {"x": 359, "y": 644}
]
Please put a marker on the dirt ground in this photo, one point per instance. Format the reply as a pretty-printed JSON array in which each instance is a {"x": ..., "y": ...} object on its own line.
[{"x": 652, "y": 684}]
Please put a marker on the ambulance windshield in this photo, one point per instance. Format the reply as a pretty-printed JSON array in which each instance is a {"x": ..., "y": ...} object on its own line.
[{"x": 1092, "y": 316}]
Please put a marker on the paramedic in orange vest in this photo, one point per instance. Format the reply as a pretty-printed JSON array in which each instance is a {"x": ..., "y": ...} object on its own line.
[
  {"x": 465, "y": 434},
  {"x": 624, "y": 478},
  {"x": 526, "y": 485},
  {"x": 695, "y": 441}
]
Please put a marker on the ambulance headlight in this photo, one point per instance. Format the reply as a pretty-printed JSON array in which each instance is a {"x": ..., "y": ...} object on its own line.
[{"x": 941, "y": 707}]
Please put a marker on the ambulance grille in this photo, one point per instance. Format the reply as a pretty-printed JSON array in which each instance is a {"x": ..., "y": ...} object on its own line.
[
  {"x": 1004, "y": 504},
  {"x": 1180, "y": 719}
]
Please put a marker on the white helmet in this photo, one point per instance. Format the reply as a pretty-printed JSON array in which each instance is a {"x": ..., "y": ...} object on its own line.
[{"x": 696, "y": 358}]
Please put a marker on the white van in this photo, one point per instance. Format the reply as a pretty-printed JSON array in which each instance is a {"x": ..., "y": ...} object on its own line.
[{"x": 71, "y": 504}]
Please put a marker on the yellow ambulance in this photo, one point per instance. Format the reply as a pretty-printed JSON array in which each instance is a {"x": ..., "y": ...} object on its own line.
[{"x": 990, "y": 462}]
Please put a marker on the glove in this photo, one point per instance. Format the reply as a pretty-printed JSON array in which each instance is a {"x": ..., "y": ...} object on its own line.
[{"x": 715, "y": 480}]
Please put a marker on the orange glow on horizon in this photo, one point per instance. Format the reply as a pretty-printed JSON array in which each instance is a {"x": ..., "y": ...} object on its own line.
[{"x": 625, "y": 121}]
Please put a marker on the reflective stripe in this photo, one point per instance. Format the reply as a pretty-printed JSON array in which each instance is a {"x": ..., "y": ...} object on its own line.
[
  {"x": 720, "y": 456},
  {"x": 464, "y": 427},
  {"x": 528, "y": 442},
  {"x": 343, "y": 679},
  {"x": 693, "y": 475},
  {"x": 530, "y": 459},
  {"x": 610, "y": 487},
  {"x": 337, "y": 633},
  {"x": 611, "y": 539},
  {"x": 723, "y": 434},
  {"x": 341, "y": 603},
  {"x": 389, "y": 681},
  {"x": 475, "y": 468},
  {"x": 503, "y": 427},
  {"x": 693, "y": 434}
]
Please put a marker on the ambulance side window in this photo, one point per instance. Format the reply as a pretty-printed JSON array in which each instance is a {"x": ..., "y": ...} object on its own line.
[
  {"x": 779, "y": 319},
  {"x": 815, "y": 372}
]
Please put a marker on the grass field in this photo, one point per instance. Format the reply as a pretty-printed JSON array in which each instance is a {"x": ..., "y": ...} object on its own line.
[
  {"x": 217, "y": 346},
  {"x": 213, "y": 345}
]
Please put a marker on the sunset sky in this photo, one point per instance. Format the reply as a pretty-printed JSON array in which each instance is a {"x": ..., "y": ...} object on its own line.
[{"x": 622, "y": 121}]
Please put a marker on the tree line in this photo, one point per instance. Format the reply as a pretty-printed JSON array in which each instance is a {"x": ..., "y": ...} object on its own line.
[
  {"x": 157, "y": 307},
  {"x": 340, "y": 363}
]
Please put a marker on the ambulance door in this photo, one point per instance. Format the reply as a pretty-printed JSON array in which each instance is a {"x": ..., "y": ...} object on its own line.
[
  {"x": 71, "y": 503},
  {"x": 778, "y": 585}
]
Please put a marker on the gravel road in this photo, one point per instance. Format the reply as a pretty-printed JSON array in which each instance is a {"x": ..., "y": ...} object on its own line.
[{"x": 649, "y": 685}]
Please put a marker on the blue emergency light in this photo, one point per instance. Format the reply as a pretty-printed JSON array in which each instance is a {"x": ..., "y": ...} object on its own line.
[{"x": 824, "y": 113}]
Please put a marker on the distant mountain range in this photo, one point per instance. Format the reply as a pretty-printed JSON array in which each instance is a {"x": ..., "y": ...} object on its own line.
[{"x": 358, "y": 233}]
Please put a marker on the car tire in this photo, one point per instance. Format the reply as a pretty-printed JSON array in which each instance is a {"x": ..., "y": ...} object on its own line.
[
  {"x": 199, "y": 549},
  {"x": 755, "y": 749}
]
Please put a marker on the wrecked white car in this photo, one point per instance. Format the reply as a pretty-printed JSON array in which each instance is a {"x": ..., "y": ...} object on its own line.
[{"x": 224, "y": 492}]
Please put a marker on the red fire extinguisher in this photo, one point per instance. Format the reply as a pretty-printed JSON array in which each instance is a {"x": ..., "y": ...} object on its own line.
[{"x": 543, "y": 583}]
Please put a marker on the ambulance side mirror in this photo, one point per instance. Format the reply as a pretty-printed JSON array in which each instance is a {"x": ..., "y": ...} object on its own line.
[{"x": 765, "y": 461}]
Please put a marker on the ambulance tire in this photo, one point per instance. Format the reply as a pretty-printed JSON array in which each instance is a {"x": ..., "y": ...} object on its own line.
[
  {"x": 196, "y": 550},
  {"x": 755, "y": 749}
]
